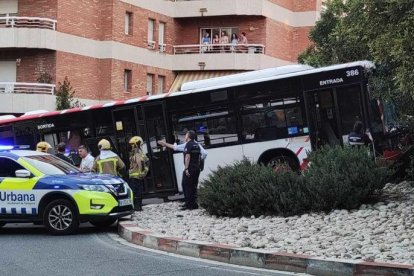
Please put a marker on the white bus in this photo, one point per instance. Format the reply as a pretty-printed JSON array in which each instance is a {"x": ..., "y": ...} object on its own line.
[{"x": 272, "y": 116}]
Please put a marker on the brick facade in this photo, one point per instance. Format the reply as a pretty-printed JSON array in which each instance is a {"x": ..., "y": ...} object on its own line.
[{"x": 103, "y": 79}]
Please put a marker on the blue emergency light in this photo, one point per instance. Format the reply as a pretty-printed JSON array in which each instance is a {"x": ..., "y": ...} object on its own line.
[{"x": 9, "y": 147}]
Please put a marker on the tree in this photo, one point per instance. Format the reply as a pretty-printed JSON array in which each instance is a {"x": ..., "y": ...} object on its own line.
[
  {"x": 381, "y": 31},
  {"x": 65, "y": 96}
]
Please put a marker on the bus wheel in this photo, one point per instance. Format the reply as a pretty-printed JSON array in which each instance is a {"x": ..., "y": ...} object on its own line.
[
  {"x": 282, "y": 164},
  {"x": 61, "y": 217}
]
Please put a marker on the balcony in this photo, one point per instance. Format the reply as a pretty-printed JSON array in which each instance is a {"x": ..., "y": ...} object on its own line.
[
  {"x": 27, "y": 32},
  {"x": 20, "y": 97},
  {"x": 27, "y": 22},
  {"x": 26, "y": 88},
  {"x": 222, "y": 57},
  {"x": 219, "y": 48}
]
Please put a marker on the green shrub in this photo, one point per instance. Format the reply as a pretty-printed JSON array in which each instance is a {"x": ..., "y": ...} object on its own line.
[
  {"x": 342, "y": 177},
  {"x": 246, "y": 189}
]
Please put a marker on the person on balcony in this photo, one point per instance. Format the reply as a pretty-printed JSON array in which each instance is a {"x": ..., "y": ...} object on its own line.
[
  {"x": 243, "y": 41},
  {"x": 234, "y": 42},
  {"x": 206, "y": 41},
  {"x": 216, "y": 40},
  {"x": 224, "y": 39}
]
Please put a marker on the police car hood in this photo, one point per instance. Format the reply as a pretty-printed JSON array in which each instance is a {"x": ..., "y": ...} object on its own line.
[{"x": 71, "y": 181}]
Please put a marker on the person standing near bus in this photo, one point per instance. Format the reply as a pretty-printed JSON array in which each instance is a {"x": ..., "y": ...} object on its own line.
[
  {"x": 358, "y": 137},
  {"x": 192, "y": 157},
  {"x": 43, "y": 147},
  {"x": 86, "y": 164},
  {"x": 61, "y": 153},
  {"x": 138, "y": 169},
  {"x": 108, "y": 162}
]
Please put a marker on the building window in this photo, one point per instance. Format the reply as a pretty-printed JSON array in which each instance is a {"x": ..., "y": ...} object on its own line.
[
  {"x": 127, "y": 80},
  {"x": 161, "y": 35},
  {"x": 151, "y": 41},
  {"x": 161, "y": 82},
  {"x": 150, "y": 81},
  {"x": 128, "y": 23}
]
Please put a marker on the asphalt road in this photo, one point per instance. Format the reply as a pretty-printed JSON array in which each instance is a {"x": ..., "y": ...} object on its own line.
[{"x": 26, "y": 249}]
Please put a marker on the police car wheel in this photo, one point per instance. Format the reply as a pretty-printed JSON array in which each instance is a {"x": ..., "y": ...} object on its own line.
[
  {"x": 2, "y": 224},
  {"x": 103, "y": 222},
  {"x": 61, "y": 217}
]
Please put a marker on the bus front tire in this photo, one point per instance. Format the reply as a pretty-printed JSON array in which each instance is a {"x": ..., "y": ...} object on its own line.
[{"x": 283, "y": 164}]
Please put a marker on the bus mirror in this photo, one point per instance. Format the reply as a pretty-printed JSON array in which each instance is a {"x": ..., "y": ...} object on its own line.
[{"x": 23, "y": 173}]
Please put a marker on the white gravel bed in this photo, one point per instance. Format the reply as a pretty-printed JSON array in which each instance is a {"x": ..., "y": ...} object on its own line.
[{"x": 382, "y": 232}]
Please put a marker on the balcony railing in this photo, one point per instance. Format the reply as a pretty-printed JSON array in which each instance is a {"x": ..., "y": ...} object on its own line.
[
  {"x": 27, "y": 22},
  {"x": 26, "y": 88},
  {"x": 219, "y": 48}
]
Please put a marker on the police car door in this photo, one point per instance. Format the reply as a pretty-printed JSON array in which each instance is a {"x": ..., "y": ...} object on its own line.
[{"x": 16, "y": 196}]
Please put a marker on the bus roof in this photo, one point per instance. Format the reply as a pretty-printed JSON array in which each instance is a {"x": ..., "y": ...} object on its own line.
[{"x": 205, "y": 85}]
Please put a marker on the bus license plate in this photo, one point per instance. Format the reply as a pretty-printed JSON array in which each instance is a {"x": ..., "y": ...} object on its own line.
[{"x": 124, "y": 202}]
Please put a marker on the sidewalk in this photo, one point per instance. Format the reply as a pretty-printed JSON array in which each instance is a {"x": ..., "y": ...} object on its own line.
[{"x": 257, "y": 258}]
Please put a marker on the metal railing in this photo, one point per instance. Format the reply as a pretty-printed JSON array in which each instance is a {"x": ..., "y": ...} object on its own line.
[
  {"x": 26, "y": 88},
  {"x": 27, "y": 22},
  {"x": 219, "y": 48}
]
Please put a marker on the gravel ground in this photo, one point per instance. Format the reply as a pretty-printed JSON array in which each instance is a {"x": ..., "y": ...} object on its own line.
[{"x": 381, "y": 232}]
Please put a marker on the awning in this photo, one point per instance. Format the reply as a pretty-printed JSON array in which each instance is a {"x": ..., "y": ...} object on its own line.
[{"x": 183, "y": 77}]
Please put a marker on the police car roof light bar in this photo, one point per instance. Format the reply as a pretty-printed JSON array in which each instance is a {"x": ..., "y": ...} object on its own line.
[{"x": 9, "y": 147}]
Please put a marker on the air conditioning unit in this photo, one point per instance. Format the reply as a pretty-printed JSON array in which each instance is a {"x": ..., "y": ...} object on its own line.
[
  {"x": 162, "y": 47},
  {"x": 151, "y": 45}
]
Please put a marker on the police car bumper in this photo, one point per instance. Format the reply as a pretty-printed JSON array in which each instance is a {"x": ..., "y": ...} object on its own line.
[
  {"x": 116, "y": 213},
  {"x": 101, "y": 204}
]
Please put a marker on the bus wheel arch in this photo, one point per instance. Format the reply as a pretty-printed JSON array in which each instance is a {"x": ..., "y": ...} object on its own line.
[{"x": 280, "y": 155}]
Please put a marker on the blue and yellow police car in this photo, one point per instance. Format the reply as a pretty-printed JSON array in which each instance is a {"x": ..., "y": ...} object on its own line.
[{"x": 41, "y": 188}]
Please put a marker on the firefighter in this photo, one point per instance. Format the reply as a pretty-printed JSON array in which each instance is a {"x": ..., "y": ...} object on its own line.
[
  {"x": 138, "y": 169},
  {"x": 43, "y": 147},
  {"x": 108, "y": 162}
]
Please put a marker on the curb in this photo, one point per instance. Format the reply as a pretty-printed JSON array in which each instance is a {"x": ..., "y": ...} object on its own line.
[{"x": 258, "y": 258}]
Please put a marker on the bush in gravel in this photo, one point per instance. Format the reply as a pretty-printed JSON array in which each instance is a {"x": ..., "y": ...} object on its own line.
[
  {"x": 342, "y": 177},
  {"x": 245, "y": 189}
]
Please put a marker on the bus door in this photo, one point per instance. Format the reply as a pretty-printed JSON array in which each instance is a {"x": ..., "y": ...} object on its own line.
[
  {"x": 332, "y": 113},
  {"x": 161, "y": 177},
  {"x": 125, "y": 120}
]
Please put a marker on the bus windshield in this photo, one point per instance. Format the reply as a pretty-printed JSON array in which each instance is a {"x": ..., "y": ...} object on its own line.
[{"x": 51, "y": 165}]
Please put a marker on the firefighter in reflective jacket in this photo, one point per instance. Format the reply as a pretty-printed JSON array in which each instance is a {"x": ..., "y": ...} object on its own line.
[
  {"x": 138, "y": 169},
  {"x": 108, "y": 162}
]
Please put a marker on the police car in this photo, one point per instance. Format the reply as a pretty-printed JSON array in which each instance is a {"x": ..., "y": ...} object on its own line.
[{"x": 41, "y": 188}]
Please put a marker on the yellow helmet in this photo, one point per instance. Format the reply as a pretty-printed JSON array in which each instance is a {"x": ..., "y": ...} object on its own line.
[
  {"x": 136, "y": 140},
  {"x": 104, "y": 145},
  {"x": 43, "y": 146}
]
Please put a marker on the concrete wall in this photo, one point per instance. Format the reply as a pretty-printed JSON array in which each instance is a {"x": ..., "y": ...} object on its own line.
[{"x": 20, "y": 103}]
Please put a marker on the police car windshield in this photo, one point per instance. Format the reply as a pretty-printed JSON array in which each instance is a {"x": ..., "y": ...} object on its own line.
[{"x": 51, "y": 165}]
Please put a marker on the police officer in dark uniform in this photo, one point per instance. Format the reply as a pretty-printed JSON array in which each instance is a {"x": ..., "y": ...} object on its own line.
[
  {"x": 192, "y": 157},
  {"x": 357, "y": 137}
]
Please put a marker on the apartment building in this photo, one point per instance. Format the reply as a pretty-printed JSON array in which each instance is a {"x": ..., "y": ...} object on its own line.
[{"x": 121, "y": 49}]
